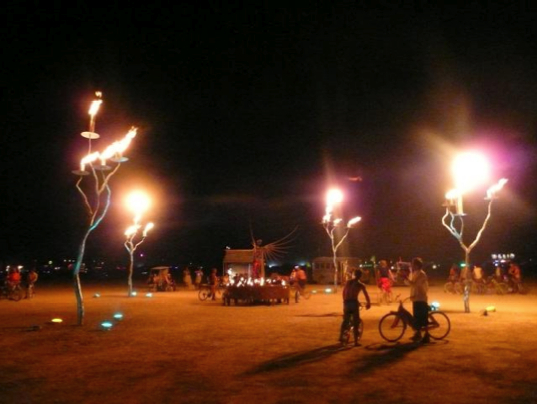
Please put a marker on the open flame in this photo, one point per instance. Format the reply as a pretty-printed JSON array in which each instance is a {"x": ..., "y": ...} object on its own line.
[{"x": 116, "y": 149}]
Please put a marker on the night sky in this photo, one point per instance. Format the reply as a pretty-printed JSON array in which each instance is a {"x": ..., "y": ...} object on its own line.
[{"x": 247, "y": 114}]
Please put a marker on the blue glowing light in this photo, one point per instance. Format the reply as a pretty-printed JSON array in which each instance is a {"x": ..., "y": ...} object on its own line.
[
  {"x": 106, "y": 325},
  {"x": 118, "y": 316}
]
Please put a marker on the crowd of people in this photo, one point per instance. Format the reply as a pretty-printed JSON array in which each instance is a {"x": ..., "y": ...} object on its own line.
[
  {"x": 475, "y": 274},
  {"x": 15, "y": 279}
]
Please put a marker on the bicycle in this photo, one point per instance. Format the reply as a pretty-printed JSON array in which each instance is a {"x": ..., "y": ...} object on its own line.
[
  {"x": 11, "y": 292},
  {"x": 205, "y": 292},
  {"x": 453, "y": 287},
  {"x": 348, "y": 330},
  {"x": 393, "y": 325},
  {"x": 301, "y": 292}
]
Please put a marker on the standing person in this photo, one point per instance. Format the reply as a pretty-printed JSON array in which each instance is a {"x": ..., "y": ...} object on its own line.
[
  {"x": 31, "y": 279},
  {"x": 198, "y": 278},
  {"x": 301, "y": 277},
  {"x": 515, "y": 276},
  {"x": 385, "y": 277},
  {"x": 419, "y": 286},
  {"x": 351, "y": 308},
  {"x": 292, "y": 277},
  {"x": 453, "y": 273},
  {"x": 213, "y": 283},
  {"x": 187, "y": 278}
]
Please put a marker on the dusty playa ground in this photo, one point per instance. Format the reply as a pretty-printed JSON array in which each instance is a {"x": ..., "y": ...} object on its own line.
[{"x": 173, "y": 348}]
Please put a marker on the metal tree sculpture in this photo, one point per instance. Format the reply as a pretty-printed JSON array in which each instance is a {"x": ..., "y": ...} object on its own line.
[
  {"x": 454, "y": 211},
  {"x": 331, "y": 223},
  {"x": 94, "y": 166},
  {"x": 138, "y": 203}
]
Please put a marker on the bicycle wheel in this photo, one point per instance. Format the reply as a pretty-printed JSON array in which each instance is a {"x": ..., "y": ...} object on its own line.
[
  {"x": 522, "y": 289},
  {"x": 203, "y": 294},
  {"x": 449, "y": 287},
  {"x": 439, "y": 325},
  {"x": 16, "y": 294},
  {"x": 391, "y": 327}
]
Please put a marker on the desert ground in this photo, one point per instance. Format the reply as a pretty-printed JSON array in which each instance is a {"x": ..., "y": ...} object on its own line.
[{"x": 174, "y": 348}]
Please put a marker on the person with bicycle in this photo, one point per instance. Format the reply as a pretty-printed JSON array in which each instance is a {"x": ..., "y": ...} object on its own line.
[
  {"x": 351, "y": 306},
  {"x": 419, "y": 286},
  {"x": 385, "y": 278},
  {"x": 300, "y": 281},
  {"x": 213, "y": 283},
  {"x": 31, "y": 279},
  {"x": 13, "y": 278}
]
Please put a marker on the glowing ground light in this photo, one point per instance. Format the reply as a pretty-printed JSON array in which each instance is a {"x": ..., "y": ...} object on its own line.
[
  {"x": 149, "y": 294},
  {"x": 106, "y": 325},
  {"x": 118, "y": 316},
  {"x": 96, "y": 295},
  {"x": 56, "y": 321},
  {"x": 328, "y": 290},
  {"x": 491, "y": 308},
  {"x": 134, "y": 294},
  {"x": 314, "y": 291}
]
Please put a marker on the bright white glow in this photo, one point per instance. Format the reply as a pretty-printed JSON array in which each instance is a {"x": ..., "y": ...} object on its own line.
[
  {"x": 57, "y": 320},
  {"x": 337, "y": 221},
  {"x": 333, "y": 197},
  {"x": 118, "y": 316},
  {"x": 470, "y": 169},
  {"x": 95, "y": 105},
  {"x": 493, "y": 190},
  {"x": 106, "y": 325},
  {"x": 353, "y": 221},
  {"x": 328, "y": 290},
  {"x": 452, "y": 194},
  {"x": 131, "y": 231},
  {"x": 138, "y": 202},
  {"x": 148, "y": 227}
]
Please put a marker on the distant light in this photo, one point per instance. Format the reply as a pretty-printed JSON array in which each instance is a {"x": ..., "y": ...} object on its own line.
[
  {"x": 96, "y": 295},
  {"x": 134, "y": 293},
  {"x": 56, "y": 321},
  {"x": 118, "y": 316},
  {"x": 314, "y": 291},
  {"x": 106, "y": 325},
  {"x": 491, "y": 308},
  {"x": 328, "y": 290},
  {"x": 149, "y": 294},
  {"x": 435, "y": 306}
]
